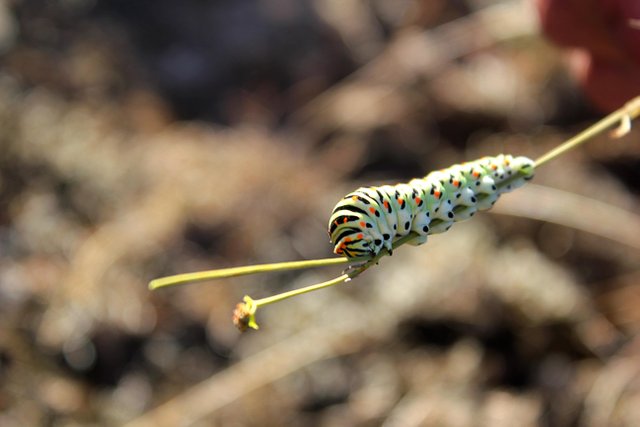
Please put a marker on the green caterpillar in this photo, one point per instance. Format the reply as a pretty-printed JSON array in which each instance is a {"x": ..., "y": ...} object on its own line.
[{"x": 372, "y": 218}]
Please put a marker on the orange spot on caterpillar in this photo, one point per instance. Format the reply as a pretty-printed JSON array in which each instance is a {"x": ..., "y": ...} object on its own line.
[
  {"x": 372, "y": 210},
  {"x": 494, "y": 167},
  {"x": 400, "y": 201},
  {"x": 386, "y": 204},
  {"x": 345, "y": 220},
  {"x": 354, "y": 198},
  {"x": 418, "y": 200},
  {"x": 360, "y": 236},
  {"x": 362, "y": 224},
  {"x": 475, "y": 174},
  {"x": 456, "y": 183},
  {"x": 437, "y": 194},
  {"x": 347, "y": 239}
]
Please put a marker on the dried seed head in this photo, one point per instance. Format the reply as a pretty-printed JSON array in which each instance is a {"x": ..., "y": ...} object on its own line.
[{"x": 244, "y": 315}]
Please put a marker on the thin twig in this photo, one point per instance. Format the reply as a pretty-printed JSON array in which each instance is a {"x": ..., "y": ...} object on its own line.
[
  {"x": 244, "y": 315},
  {"x": 223, "y": 273},
  {"x": 622, "y": 116}
]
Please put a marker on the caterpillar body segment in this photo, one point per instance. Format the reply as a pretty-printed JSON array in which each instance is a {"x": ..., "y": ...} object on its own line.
[{"x": 372, "y": 218}]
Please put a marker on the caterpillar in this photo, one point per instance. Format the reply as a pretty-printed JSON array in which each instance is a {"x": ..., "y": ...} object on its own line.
[{"x": 372, "y": 218}]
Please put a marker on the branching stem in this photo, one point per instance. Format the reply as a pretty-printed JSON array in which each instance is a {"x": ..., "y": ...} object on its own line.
[{"x": 244, "y": 315}]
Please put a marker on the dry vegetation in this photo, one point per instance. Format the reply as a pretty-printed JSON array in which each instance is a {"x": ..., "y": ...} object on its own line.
[{"x": 141, "y": 139}]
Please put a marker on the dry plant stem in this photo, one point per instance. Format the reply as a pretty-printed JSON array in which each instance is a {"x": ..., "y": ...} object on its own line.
[
  {"x": 623, "y": 117},
  {"x": 200, "y": 276},
  {"x": 350, "y": 274},
  {"x": 295, "y": 292}
]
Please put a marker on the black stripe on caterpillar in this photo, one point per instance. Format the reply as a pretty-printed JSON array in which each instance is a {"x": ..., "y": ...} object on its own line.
[{"x": 372, "y": 218}]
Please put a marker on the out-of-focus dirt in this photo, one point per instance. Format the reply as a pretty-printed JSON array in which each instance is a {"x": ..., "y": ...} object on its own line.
[{"x": 142, "y": 139}]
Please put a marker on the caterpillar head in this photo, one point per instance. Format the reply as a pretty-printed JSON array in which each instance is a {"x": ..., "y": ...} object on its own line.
[
  {"x": 351, "y": 235},
  {"x": 352, "y": 247}
]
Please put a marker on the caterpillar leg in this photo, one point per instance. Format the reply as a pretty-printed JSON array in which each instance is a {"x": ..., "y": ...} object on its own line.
[
  {"x": 487, "y": 201},
  {"x": 420, "y": 225},
  {"x": 441, "y": 227},
  {"x": 353, "y": 267},
  {"x": 467, "y": 200},
  {"x": 418, "y": 240},
  {"x": 462, "y": 214}
]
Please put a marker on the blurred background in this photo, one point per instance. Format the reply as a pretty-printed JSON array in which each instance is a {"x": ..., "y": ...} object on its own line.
[{"x": 149, "y": 138}]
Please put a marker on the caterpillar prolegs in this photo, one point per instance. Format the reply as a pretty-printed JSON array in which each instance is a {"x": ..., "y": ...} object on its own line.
[{"x": 372, "y": 218}]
